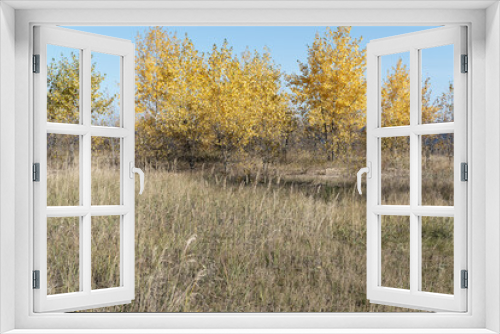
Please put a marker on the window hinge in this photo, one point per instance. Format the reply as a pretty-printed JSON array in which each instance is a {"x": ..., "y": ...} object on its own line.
[
  {"x": 465, "y": 279},
  {"x": 36, "y": 63},
  {"x": 36, "y": 279},
  {"x": 36, "y": 172},
  {"x": 465, "y": 64},
  {"x": 464, "y": 171}
]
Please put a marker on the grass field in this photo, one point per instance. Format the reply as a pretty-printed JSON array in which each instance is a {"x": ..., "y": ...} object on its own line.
[{"x": 293, "y": 241}]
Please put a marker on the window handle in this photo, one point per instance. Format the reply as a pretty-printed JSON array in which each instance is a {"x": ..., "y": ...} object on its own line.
[
  {"x": 133, "y": 170},
  {"x": 368, "y": 171}
]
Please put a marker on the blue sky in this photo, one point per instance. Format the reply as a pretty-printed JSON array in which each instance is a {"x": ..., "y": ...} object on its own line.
[{"x": 286, "y": 43}]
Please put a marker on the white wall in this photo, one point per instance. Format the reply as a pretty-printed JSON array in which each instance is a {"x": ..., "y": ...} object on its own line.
[
  {"x": 492, "y": 163},
  {"x": 481, "y": 104},
  {"x": 7, "y": 162}
]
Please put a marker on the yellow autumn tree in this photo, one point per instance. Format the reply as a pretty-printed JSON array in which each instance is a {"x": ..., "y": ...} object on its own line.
[
  {"x": 157, "y": 55},
  {"x": 63, "y": 91},
  {"x": 267, "y": 105},
  {"x": 187, "y": 122},
  {"x": 231, "y": 122},
  {"x": 395, "y": 103},
  {"x": 444, "y": 103},
  {"x": 290, "y": 129},
  {"x": 330, "y": 90},
  {"x": 440, "y": 144},
  {"x": 171, "y": 91},
  {"x": 63, "y": 103},
  {"x": 430, "y": 111},
  {"x": 190, "y": 105},
  {"x": 395, "y": 96}
]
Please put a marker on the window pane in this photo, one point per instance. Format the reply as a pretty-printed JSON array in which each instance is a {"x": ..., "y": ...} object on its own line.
[
  {"x": 105, "y": 252},
  {"x": 395, "y": 170},
  {"x": 437, "y": 84},
  {"x": 437, "y": 169},
  {"x": 63, "y": 255},
  {"x": 105, "y": 171},
  {"x": 63, "y": 170},
  {"x": 395, "y": 253},
  {"x": 395, "y": 89},
  {"x": 437, "y": 254},
  {"x": 63, "y": 84},
  {"x": 106, "y": 76}
]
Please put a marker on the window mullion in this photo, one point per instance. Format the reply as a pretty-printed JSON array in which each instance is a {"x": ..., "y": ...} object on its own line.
[
  {"x": 414, "y": 170},
  {"x": 85, "y": 167},
  {"x": 82, "y": 231}
]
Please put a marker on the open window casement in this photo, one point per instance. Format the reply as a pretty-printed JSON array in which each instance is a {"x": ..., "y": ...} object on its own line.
[
  {"x": 414, "y": 133},
  {"x": 87, "y": 135}
]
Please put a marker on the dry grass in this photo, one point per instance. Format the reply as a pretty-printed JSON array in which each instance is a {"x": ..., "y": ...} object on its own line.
[{"x": 212, "y": 243}]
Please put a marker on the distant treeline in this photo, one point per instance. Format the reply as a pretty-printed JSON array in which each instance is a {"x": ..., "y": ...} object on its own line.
[{"x": 223, "y": 107}]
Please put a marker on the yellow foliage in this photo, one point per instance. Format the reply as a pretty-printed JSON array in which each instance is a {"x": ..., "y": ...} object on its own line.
[
  {"x": 63, "y": 99},
  {"x": 63, "y": 92},
  {"x": 195, "y": 104},
  {"x": 395, "y": 96},
  {"x": 330, "y": 91},
  {"x": 395, "y": 103}
]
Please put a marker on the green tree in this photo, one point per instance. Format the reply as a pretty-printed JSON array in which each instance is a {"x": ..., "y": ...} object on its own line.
[
  {"x": 63, "y": 91},
  {"x": 63, "y": 103}
]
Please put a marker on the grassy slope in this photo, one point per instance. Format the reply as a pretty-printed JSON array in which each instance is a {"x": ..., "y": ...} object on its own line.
[{"x": 204, "y": 244}]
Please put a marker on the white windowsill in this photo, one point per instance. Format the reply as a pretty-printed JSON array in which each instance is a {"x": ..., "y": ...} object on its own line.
[{"x": 250, "y": 331}]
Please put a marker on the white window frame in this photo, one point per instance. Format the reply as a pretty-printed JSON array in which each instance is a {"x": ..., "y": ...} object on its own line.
[
  {"x": 413, "y": 44},
  {"x": 124, "y": 50},
  {"x": 483, "y": 213}
]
